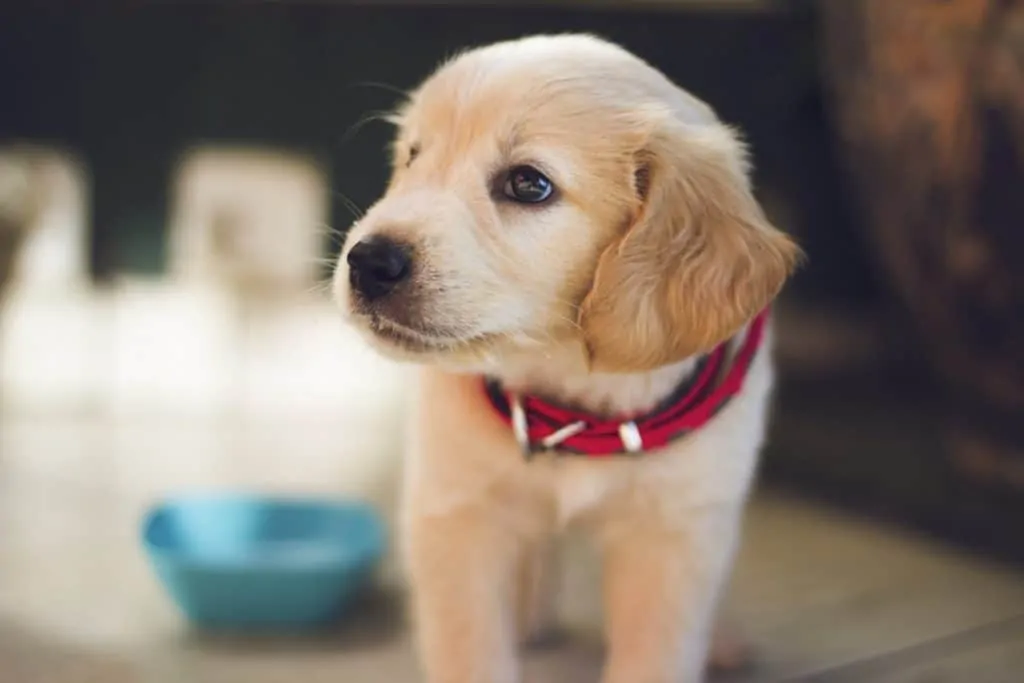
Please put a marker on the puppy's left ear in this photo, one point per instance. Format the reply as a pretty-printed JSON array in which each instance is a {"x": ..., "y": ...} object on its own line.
[{"x": 698, "y": 261}]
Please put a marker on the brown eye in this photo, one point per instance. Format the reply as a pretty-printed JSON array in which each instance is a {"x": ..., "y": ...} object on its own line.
[
  {"x": 414, "y": 151},
  {"x": 527, "y": 185}
]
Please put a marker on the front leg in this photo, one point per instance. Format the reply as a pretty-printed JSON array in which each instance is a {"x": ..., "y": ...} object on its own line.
[
  {"x": 463, "y": 566},
  {"x": 537, "y": 593},
  {"x": 661, "y": 589}
]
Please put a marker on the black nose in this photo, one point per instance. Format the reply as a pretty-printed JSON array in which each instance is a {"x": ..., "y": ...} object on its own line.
[{"x": 377, "y": 265}]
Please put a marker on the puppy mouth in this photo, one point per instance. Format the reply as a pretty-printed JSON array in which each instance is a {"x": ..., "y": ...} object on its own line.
[{"x": 414, "y": 340}]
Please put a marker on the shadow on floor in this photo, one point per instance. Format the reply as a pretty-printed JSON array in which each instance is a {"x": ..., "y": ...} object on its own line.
[{"x": 376, "y": 619}]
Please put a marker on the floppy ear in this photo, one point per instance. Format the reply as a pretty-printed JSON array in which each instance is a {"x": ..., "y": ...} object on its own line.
[{"x": 698, "y": 261}]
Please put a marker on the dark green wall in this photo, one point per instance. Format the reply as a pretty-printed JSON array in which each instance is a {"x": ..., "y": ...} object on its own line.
[{"x": 130, "y": 89}]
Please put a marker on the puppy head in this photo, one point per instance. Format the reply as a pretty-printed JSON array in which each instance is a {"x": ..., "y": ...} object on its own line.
[{"x": 554, "y": 191}]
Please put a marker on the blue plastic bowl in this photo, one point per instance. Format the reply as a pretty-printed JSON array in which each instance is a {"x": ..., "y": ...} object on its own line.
[{"x": 235, "y": 561}]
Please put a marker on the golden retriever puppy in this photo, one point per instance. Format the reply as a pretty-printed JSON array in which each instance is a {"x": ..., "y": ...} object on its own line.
[{"x": 570, "y": 248}]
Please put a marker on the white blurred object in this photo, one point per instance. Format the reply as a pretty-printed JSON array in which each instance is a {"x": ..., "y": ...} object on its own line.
[
  {"x": 174, "y": 350},
  {"x": 50, "y": 332},
  {"x": 207, "y": 377},
  {"x": 248, "y": 220},
  {"x": 170, "y": 349},
  {"x": 303, "y": 360},
  {"x": 235, "y": 338},
  {"x": 49, "y": 347},
  {"x": 47, "y": 190},
  {"x": 248, "y": 225}
]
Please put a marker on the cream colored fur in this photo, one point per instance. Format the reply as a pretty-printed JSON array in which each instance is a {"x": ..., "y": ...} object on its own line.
[{"x": 652, "y": 251}]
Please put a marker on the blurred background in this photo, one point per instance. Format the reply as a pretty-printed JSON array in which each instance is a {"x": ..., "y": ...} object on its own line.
[{"x": 175, "y": 178}]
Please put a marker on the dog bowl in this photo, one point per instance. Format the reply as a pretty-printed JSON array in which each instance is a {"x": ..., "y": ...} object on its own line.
[{"x": 236, "y": 561}]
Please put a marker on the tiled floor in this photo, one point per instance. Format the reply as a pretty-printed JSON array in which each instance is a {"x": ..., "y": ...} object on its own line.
[{"x": 826, "y": 598}]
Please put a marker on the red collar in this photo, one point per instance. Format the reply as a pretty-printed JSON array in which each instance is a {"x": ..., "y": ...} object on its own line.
[{"x": 541, "y": 426}]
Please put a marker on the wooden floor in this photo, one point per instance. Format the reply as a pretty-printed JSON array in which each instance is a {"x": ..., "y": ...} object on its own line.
[{"x": 825, "y": 597}]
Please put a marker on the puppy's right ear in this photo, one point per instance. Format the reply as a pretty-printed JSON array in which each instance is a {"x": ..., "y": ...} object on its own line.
[{"x": 698, "y": 262}]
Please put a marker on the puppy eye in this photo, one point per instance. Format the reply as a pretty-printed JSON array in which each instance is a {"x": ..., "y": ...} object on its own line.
[
  {"x": 527, "y": 185},
  {"x": 414, "y": 151}
]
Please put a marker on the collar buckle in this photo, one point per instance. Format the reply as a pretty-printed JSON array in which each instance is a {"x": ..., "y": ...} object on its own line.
[
  {"x": 521, "y": 430},
  {"x": 630, "y": 436},
  {"x": 520, "y": 427}
]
